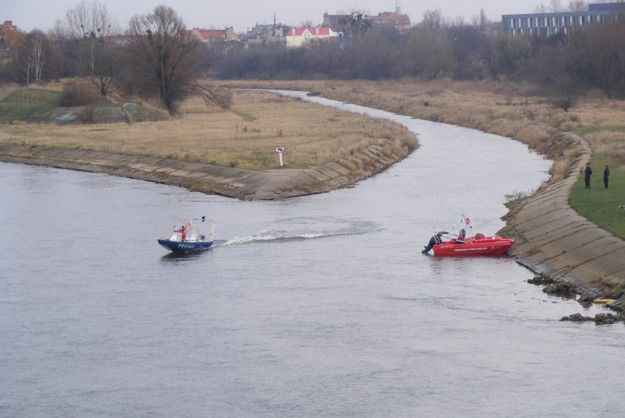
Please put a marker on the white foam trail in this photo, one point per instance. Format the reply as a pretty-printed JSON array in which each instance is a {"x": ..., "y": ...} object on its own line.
[
  {"x": 354, "y": 228},
  {"x": 279, "y": 236}
]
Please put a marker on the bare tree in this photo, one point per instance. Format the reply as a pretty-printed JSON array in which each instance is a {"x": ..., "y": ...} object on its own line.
[
  {"x": 432, "y": 19},
  {"x": 164, "y": 58},
  {"x": 354, "y": 24},
  {"x": 36, "y": 57},
  {"x": 32, "y": 57},
  {"x": 556, "y": 6},
  {"x": 577, "y": 6},
  {"x": 91, "y": 23},
  {"x": 481, "y": 21},
  {"x": 89, "y": 18}
]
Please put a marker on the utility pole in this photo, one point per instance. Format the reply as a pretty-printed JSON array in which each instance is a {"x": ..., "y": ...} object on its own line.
[{"x": 398, "y": 7}]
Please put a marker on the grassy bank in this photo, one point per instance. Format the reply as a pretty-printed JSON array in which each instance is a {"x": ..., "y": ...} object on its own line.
[
  {"x": 242, "y": 137},
  {"x": 601, "y": 205},
  {"x": 20, "y": 104}
]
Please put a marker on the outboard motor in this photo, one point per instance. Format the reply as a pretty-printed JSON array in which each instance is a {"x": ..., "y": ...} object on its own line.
[{"x": 436, "y": 239}]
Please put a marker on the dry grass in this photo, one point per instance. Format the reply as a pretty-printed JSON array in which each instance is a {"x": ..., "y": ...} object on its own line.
[
  {"x": 242, "y": 137},
  {"x": 508, "y": 109}
]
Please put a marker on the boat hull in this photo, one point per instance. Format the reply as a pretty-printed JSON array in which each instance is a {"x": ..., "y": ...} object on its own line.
[
  {"x": 185, "y": 247},
  {"x": 495, "y": 246}
]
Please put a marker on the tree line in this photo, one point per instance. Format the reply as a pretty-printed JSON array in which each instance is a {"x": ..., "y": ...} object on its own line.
[
  {"x": 589, "y": 57},
  {"x": 155, "y": 56}
]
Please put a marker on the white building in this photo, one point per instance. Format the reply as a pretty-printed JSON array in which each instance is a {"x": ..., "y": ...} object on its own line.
[{"x": 297, "y": 37}]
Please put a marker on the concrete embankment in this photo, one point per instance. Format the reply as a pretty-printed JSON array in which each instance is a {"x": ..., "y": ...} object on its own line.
[
  {"x": 556, "y": 241},
  {"x": 207, "y": 178}
]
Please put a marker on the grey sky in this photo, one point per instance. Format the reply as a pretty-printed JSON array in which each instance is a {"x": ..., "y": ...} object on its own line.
[{"x": 242, "y": 14}]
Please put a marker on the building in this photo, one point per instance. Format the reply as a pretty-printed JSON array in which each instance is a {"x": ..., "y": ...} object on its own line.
[
  {"x": 395, "y": 19},
  {"x": 266, "y": 34},
  {"x": 341, "y": 23},
  {"x": 338, "y": 23},
  {"x": 215, "y": 35},
  {"x": 297, "y": 37},
  {"x": 6, "y": 27},
  {"x": 547, "y": 24}
]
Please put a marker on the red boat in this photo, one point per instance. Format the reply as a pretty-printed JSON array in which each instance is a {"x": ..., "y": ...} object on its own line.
[{"x": 472, "y": 246}]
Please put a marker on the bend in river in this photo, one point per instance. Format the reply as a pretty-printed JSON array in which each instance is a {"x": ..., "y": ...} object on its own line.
[{"x": 312, "y": 306}]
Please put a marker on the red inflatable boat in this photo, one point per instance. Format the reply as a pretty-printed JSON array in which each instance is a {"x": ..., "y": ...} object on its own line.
[{"x": 478, "y": 245}]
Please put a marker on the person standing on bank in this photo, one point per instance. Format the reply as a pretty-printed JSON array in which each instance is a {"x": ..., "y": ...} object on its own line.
[
  {"x": 606, "y": 176},
  {"x": 587, "y": 174}
]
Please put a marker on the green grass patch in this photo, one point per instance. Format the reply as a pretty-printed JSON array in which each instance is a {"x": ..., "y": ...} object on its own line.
[
  {"x": 597, "y": 204},
  {"x": 245, "y": 116},
  {"x": 21, "y": 104},
  {"x": 593, "y": 129}
]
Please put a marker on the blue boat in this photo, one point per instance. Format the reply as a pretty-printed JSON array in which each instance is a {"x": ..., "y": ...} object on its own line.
[{"x": 187, "y": 239}]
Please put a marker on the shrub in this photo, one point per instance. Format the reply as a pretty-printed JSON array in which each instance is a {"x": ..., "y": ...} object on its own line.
[
  {"x": 78, "y": 93},
  {"x": 564, "y": 103}
]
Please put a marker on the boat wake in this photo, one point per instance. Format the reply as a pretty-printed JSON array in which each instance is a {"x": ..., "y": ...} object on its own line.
[{"x": 313, "y": 228}]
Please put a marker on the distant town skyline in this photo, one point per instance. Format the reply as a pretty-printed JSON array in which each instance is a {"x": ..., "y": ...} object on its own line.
[{"x": 243, "y": 14}]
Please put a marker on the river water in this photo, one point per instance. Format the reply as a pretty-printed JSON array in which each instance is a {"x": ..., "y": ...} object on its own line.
[{"x": 313, "y": 306}]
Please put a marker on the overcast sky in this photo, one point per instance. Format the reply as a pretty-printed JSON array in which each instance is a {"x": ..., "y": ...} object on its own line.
[{"x": 242, "y": 14}]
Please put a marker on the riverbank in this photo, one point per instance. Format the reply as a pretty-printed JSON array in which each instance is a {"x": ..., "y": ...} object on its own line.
[
  {"x": 505, "y": 109},
  {"x": 552, "y": 238},
  {"x": 224, "y": 152}
]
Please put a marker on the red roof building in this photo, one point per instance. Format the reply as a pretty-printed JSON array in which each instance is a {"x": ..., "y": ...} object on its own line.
[
  {"x": 399, "y": 21},
  {"x": 213, "y": 35},
  {"x": 297, "y": 37},
  {"x": 6, "y": 27}
]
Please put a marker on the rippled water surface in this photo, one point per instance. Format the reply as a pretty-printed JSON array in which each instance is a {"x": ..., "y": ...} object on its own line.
[{"x": 314, "y": 306}]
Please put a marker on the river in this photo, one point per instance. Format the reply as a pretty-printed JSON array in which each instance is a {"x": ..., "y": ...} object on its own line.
[{"x": 313, "y": 306}]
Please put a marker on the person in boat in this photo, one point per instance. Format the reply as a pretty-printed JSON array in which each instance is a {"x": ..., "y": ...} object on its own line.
[
  {"x": 461, "y": 236},
  {"x": 436, "y": 239},
  {"x": 183, "y": 232}
]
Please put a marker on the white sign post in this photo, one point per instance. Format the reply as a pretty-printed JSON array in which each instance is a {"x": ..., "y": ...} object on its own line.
[{"x": 280, "y": 149}]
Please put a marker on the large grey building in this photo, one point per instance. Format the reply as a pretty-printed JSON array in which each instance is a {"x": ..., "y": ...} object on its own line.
[{"x": 547, "y": 24}]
